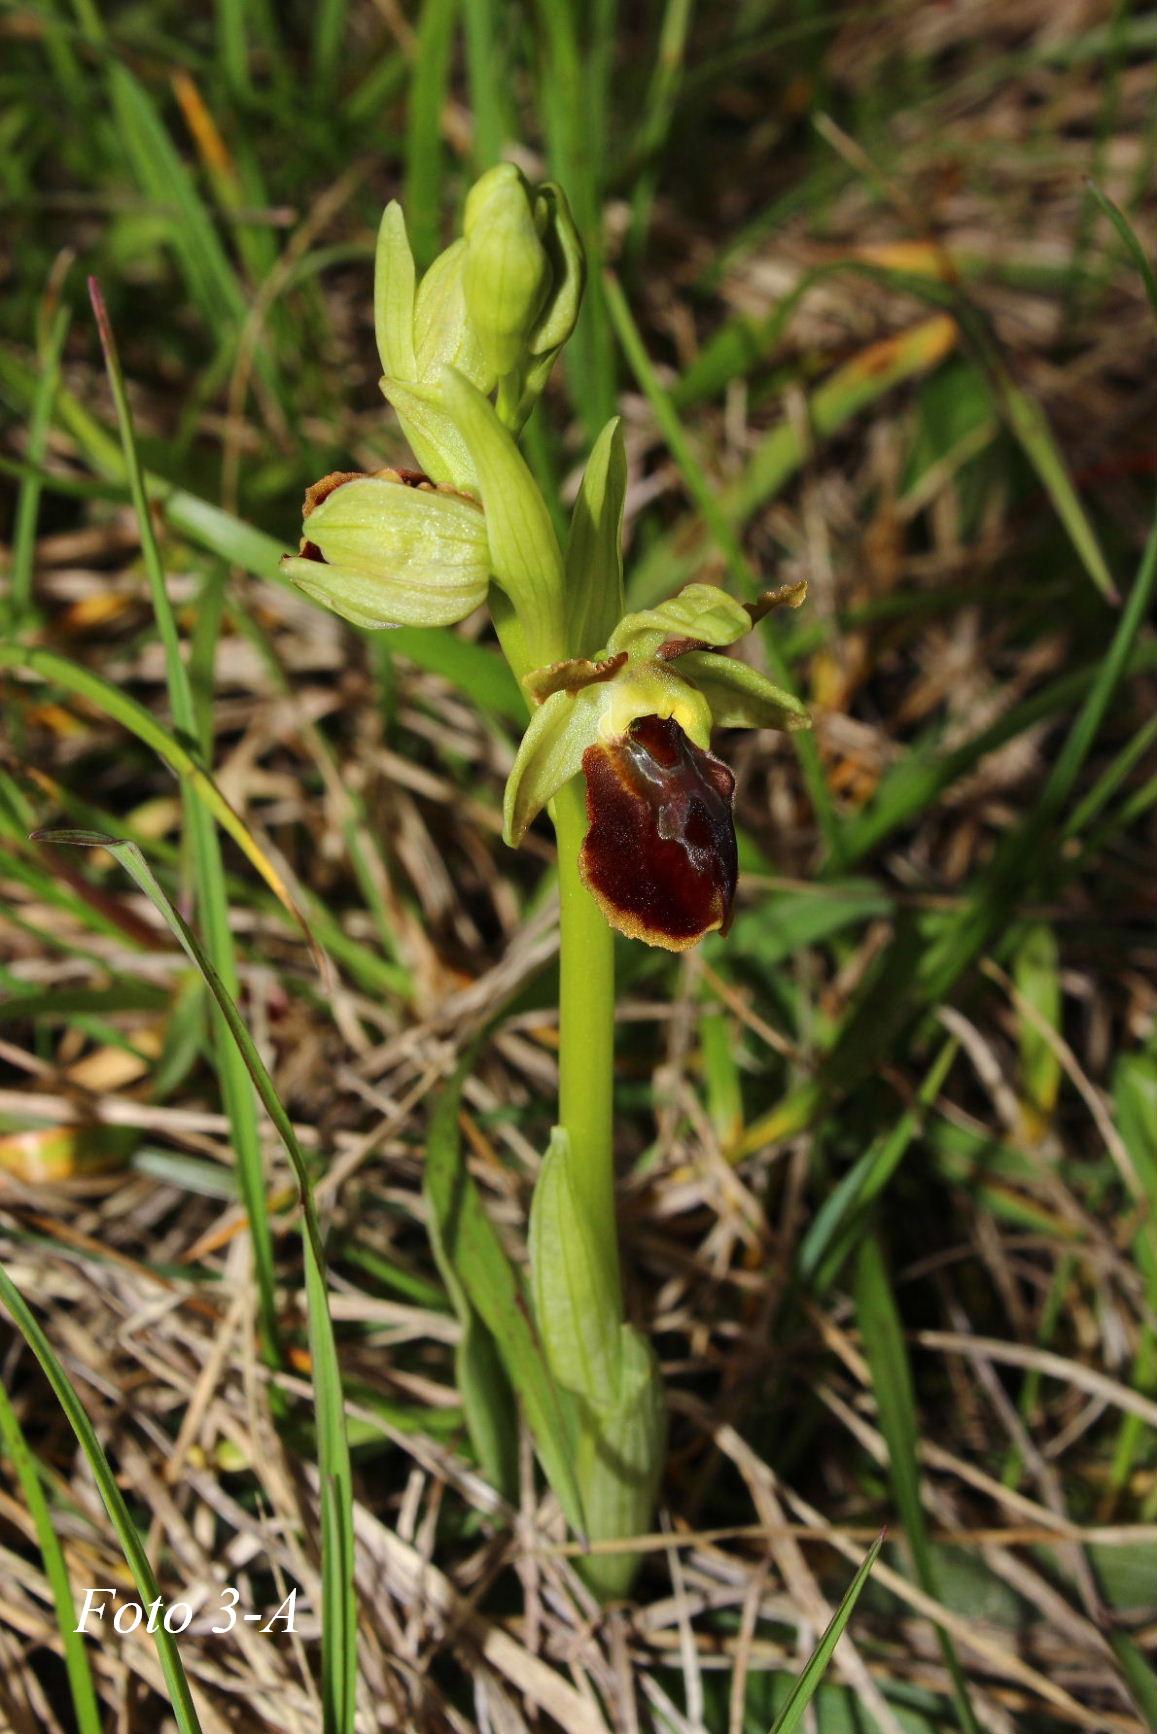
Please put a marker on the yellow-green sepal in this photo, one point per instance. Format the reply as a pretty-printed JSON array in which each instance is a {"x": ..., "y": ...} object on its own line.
[
  {"x": 740, "y": 697},
  {"x": 550, "y": 754},
  {"x": 699, "y": 612}
]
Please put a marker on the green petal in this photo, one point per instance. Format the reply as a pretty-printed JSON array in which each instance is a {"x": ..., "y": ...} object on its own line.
[
  {"x": 394, "y": 277},
  {"x": 550, "y": 754},
  {"x": 594, "y": 553},
  {"x": 700, "y": 611},
  {"x": 524, "y": 551},
  {"x": 394, "y": 555},
  {"x": 740, "y": 697}
]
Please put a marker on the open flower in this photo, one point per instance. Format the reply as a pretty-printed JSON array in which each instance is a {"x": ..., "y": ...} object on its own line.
[{"x": 660, "y": 853}]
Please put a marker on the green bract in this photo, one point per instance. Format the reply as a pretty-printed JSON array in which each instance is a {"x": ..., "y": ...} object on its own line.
[{"x": 382, "y": 551}]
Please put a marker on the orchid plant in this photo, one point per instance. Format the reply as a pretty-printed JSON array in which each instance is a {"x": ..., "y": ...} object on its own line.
[{"x": 617, "y": 747}]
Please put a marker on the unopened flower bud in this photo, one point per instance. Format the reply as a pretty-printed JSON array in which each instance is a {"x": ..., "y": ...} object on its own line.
[
  {"x": 392, "y": 550},
  {"x": 507, "y": 269}
]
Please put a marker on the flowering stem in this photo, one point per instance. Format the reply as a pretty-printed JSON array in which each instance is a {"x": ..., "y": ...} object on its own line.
[{"x": 586, "y": 1027}]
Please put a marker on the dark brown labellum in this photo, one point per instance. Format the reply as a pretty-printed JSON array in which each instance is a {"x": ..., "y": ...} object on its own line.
[{"x": 660, "y": 855}]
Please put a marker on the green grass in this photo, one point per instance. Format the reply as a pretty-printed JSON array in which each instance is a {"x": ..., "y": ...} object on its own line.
[{"x": 952, "y": 444}]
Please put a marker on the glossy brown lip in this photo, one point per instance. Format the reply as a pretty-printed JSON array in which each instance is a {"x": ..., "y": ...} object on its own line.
[{"x": 660, "y": 856}]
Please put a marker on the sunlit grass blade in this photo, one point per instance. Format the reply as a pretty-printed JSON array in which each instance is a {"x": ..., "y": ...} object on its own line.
[
  {"x": 28, "y": 504},
  {"x": 573, "y": 101},
  {"x": 1129, "y": 236},
  {"x": 164, "y": 178},
  {"x": 882, "y": 1337},
  {"x": 1030, "y": 425},
  {"x": 658, "y": 110},
  {"x": 424, "y": 149},
  {"x": 1137, "y": 1674},
  {"x": 80, "y": 1683},
  {"x": 122, "y": 708},
  {"x": 180, "y": 1697},
  {"x": 489, "y": 100},
  {"x": 339, "y": 1610},
  {"x": 792, "y": 1714}
]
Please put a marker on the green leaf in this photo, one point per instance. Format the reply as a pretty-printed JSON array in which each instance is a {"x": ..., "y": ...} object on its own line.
[
  {"x": 816, "y": 1666},
  {"x": 594, "y": 553},
  {"x": 1132, "y": 242},
  {"x": 1030, "y": 425},
  {"x": 443, "y": 336},
  {"x": 576, "y": 1296},
  {"x": 620, "y": 1462},
  {"x": 740, "y": 697},
  {"x": 434, "y": 440},
  {"x": 1138, "y": 1675},
  {"x": 472, "y": 1249}
]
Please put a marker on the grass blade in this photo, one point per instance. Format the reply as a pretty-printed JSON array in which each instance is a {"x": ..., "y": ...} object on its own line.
[
  {"x": 339, "y": 1610},
  {"x": 28, "y": 505},
  {"x": 424, "y": 156},
  {"x": 180, "y": 1696},
  {"x": 703, "y": 492},
  {"x": 810, "y": 1679},
  {"x": 883, "y": 1341},
  {"x": 1133, "y": 245},
  {"x": 84, "y": 1700}
]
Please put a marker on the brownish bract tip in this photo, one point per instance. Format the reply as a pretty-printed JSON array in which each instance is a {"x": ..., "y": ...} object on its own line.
[{"x": 660, "y": 856}]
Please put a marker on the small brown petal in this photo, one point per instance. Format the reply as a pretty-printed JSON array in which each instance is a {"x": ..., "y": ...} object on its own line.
[
  {"x": 572, "y": 675},
  {"x": 660, "y": 856},
  {"x": 786, "y": 596},
  {"x": 319, "y": 491}
]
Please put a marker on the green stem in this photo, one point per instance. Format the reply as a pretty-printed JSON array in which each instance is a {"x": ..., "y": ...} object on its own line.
[{"x": 586, "y": 1026}]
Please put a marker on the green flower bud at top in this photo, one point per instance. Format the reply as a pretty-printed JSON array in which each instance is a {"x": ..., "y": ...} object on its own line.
[
  {"x": 507, "y": 270},
  {"x": 392, "y": 550}
]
